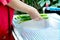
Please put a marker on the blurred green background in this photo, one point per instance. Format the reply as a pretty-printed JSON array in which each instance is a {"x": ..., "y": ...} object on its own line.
[{"x": 39, "y": 4}]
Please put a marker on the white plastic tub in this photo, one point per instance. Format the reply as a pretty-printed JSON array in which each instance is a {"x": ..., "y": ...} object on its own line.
[{"x": 39, "y": 30}]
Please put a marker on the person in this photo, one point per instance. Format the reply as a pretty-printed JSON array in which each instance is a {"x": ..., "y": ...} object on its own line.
[{"x": 7, "y": 8}]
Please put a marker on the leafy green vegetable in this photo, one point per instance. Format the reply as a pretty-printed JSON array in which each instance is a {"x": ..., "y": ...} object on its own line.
[{"x": 26, "y": 17}]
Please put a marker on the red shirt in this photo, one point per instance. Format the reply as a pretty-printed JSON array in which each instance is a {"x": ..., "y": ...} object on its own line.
[{"x": 4, "y": 25}]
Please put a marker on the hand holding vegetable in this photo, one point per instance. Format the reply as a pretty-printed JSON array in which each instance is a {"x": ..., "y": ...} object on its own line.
[
  {"x": 35, "y": 14},
  {"x": 26, "y": 17}
]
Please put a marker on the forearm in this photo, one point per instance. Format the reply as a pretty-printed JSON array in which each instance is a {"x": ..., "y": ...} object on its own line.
[{"x": 20, "y": 6}]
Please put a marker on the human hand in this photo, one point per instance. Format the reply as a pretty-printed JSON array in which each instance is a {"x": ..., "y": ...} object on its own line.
[{"x": 35, "y": 14}]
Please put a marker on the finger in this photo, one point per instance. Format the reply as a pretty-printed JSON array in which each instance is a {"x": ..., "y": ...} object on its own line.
[{"x": 37, "y": 19}]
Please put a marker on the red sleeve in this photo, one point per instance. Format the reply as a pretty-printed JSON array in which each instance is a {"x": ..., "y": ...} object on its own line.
[{"x": 4, "y": 2}]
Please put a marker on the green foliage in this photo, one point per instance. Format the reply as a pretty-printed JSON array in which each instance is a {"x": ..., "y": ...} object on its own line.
[{"x": 33, "y": 3}]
